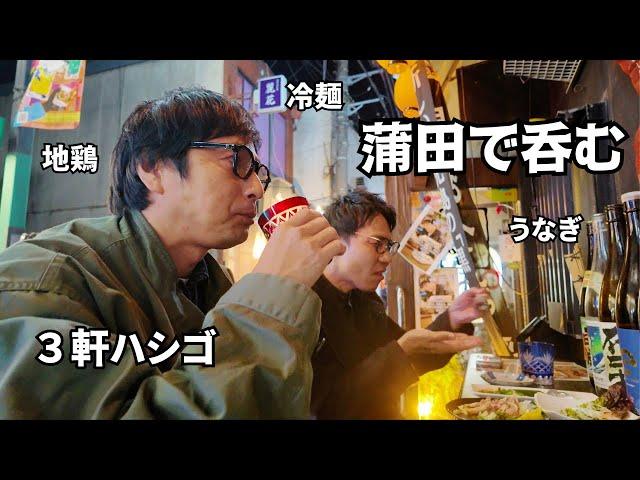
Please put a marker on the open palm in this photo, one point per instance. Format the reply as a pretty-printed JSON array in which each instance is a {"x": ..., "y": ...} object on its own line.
[{"x": 468, "y": 306}]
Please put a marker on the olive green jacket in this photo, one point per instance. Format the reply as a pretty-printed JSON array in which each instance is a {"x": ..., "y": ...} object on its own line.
[{"x": 114, "y": 273}]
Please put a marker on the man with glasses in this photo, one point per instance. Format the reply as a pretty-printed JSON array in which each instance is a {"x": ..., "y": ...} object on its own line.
[
  {"x": 91, "y": 311},
  {"x": 364, "y": 361}
]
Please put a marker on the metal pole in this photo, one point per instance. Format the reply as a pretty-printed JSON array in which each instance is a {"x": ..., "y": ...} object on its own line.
[
  {"x": 375, "y": 88},
  {"x": 569, "y": 208},
  {"x": 552, "y": 245},
  {"x": 340, "y": 137},
  {"x": 523, "y": 287},
  {"x": 543, "y": 251},
  {"x": 553, "y": 215},
  {"x": 566, "y": 281}
]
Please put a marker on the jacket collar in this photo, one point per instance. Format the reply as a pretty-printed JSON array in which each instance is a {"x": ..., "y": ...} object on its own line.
[
  {"x": 151, "y": 253},
  {"x": 338, "y": 326},
  {"x": 327, "y": 290},
  {"x": 157, "y": 269}
]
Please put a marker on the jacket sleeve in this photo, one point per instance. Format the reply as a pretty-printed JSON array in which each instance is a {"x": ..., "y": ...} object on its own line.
[
  {"x": 427, "y": 363},
  {"x": 366, "y": 389},
  {"x": 421, "y": 363},
  {"x": 262, "y": 369},
  {"x": 377, "y": 381}
]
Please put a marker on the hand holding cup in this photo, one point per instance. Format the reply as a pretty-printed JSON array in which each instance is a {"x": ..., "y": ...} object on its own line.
[{"x": 301, "y": 248}]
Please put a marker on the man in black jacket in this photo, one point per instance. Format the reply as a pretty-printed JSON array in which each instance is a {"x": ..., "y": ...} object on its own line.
[{"x": 364, "y": 361}]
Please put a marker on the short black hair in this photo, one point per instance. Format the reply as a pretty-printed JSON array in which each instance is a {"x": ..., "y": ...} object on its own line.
[
  {"x": 354, "y": 210},
  {"x": 160, "y": 130}
]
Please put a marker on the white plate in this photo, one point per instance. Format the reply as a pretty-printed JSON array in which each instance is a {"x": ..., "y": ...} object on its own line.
[
  {"x": 507, "y": 379},
  {"x": 491, "y": 391},
  {"x": 552, "y": 405}
]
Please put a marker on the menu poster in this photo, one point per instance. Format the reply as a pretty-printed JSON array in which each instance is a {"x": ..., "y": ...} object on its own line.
[
  {"x": 53, "y": 98},
  {"x": 427, "y": 241},
  {"x": 435, "y": 293}
]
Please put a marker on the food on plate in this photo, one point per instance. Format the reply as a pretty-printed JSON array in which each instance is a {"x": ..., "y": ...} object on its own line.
[
  {"x": 617, "y": 400},
  {"x": 507, "y": 408},
  {"x": 570, "y": 372},
  {"x": 488, "y": 361},
  {"x": 504, "y": 391},
  {"x": 507, "y": 379},
  {"x": 534, "y": 414},
  {"x": 611, "y": 405},
  {"x": 590, "y": 411}
]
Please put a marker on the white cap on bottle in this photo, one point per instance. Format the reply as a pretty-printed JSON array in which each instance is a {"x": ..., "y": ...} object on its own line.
[{"x": 625, "y": 197}]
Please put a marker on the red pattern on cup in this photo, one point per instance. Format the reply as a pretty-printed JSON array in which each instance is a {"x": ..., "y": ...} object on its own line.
[{"x": 279, "y": 213}]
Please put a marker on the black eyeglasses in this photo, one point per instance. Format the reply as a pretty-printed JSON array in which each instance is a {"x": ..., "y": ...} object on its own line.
[
  {"x": 382, "y": 245},
  {"x": 244, "y": 161}
]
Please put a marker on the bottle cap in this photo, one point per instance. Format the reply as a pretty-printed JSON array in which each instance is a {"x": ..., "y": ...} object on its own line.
[{"x": 625, "y": 197}]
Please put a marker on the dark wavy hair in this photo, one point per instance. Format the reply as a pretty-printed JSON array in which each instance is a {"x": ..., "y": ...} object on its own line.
[
  {"x": 160, "y": 130},
  {"x": 354, "y": 210}
]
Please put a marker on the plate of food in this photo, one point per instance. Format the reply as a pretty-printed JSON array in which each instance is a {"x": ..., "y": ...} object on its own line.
[
  {"x": 508, "y": 379},
  {"x": 488, "y": 362},
  {"x": 508, "y": 408},
  {"x": 611, "y": 405},
  {"x": 496, "y": 391},
  {"x": 570, "y": 371},
  {"x": 521, "y": 393}
]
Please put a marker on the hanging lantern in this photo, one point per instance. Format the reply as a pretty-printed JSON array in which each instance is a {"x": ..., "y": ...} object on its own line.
[
  {"x": 397, "y": 67},
  {"x": 404, "y": 95},
  {"x": 384, "y": 64}
]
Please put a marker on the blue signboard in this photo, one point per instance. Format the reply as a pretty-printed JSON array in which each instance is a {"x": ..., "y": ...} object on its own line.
[{"x": 272, "y": 94}]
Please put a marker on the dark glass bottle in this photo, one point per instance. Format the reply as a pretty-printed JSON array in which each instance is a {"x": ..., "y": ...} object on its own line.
[
  {"x": 617, "y": 239},
  {"x": 627, "y": 299},
  {"x": 607, "y": 309},
  {"x": 628, "y": 287},
  {"x": 587, "y": 272},
  {"x": 598, "y": 265}
]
